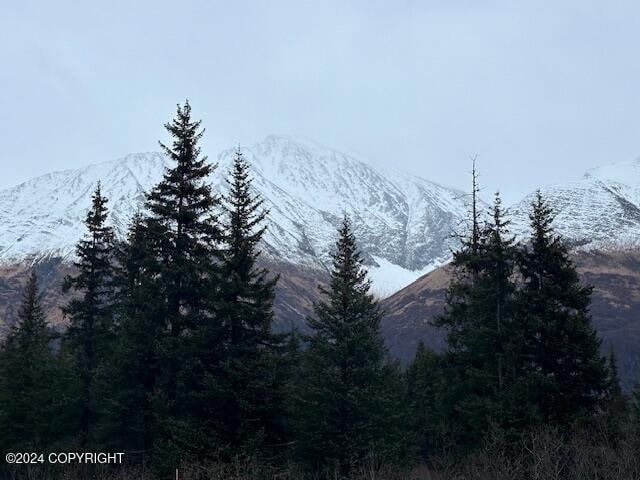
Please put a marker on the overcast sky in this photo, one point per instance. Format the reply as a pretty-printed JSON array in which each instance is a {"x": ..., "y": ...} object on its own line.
[{"x": 539, "y": 90}]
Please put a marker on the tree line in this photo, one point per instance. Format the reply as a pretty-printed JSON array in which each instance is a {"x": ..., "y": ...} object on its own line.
[{"x": 170, "y": 354}]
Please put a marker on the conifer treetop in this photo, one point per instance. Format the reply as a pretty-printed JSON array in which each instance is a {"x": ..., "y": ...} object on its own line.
[
  {"x": 98, "y": 213},
  {"x": 541, "y": 220},
  {"x": 186, "y": 135},
  {"x": 94, "y": 250},
  {"x": 244, "y": 208},
  {"x": 183, "y": 199},
  {"x": 31, "y": 324},
  {"x": 348, "y": 271}
]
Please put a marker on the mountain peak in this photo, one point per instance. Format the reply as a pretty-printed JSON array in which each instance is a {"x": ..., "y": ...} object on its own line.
[
  {"x": 278, "y": 142},
  {"x": 621, "y": 172},
  {"x": 402, "y": 223},
  {"x": 601, "y": 211}
]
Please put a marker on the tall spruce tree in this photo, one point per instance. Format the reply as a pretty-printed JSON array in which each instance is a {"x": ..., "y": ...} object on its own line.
[
  {"x": 466, "y": 263},
  {"x": 502, "y": 328},
  {"x": 566, "y": 372},
  {"x": 183, "y": 230},
  {"x": 132, "y": 367},
  {"x": 293, "y": 375},
  {"x": 29, "y": 379},
  {"x": 90, "y": 312},
  {"x": 349, "y": 393},
  {"x": 252, "y": 385},
  {"x": 616, "y": 403},
  {"x": 634, "y": 411},
  {"x": 480, "y": 324},
  {"x": 424, "y": 384}
]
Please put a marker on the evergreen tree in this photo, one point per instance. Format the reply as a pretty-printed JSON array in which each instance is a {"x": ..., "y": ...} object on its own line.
[
  {"x": 634, "y": 410},
  {"x": 503, "y": 326},
  {"x": 613, "y": 379},
  {"x": 566, "y": 371},
  {"x": 132, "y": 368},
  {"x": 29, "y": 376},
  {"x": 465, "y": 266},
  {"x": 252, "y": 384},
  {"x": 294, "y": 385},
  {"x": 90, "y": 312},
  {"x": 458, "y": 321},
  {"x": 480, "y": 326},
  {"x": 616, "y": 405},
  {"x": 183, "y": 232},
  {"x": 424, "y": 383},
  {"x": 349, "y": 392}
]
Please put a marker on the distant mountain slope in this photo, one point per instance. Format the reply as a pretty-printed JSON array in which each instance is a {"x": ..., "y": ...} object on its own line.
[
  {"x": 403, "y": 222},
  {"x": 296, "y": 291},
  {"x": 44, "y": 217},
  {"x": 615, "y": 309},
  {"x": 599, "y": 211}
]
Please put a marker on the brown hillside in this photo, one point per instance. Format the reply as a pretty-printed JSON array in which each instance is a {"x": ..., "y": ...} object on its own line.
[
  {"x": 296, "y": 291},
  {"x": 615, "y": 309}
]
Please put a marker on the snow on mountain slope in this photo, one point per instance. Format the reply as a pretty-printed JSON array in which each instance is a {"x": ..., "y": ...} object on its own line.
[
  {"x": 44, "y": 216},
  {"x": 599, "y": 211},
  {"x": 404, "y": 219},
  {"x": 403, "y": 223}
]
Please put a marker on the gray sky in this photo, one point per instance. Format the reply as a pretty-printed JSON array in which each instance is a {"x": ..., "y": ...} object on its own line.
[{"x": 539, "y": 90}]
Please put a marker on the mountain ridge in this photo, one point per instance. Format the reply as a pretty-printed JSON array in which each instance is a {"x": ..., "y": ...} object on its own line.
[
  {"x": 403, "y": 221},
  {"x": 599, "y": 211}
]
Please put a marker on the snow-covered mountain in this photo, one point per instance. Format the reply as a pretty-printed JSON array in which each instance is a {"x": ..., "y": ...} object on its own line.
[
  {"x": 600, "y": 211},
  {"x": 404, "y": 223}
]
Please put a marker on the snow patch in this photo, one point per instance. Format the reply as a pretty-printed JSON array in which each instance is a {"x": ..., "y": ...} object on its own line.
[{"x": 387, "y": 278}]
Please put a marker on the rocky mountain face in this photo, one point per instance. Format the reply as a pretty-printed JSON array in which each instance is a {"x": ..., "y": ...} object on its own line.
[
  {"x": 615, "y": 309},
  {"x": 404, "y": 223},
  {"x": 600, "y": 211}
]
